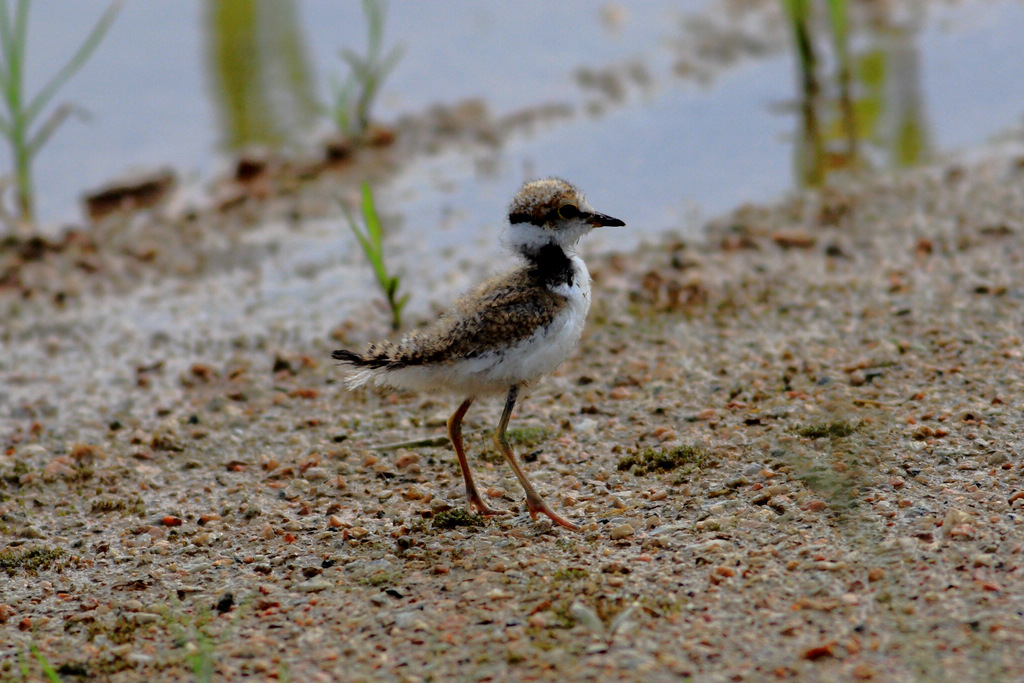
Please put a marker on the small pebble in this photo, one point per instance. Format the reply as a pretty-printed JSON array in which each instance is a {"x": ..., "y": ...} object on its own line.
[
  {"x": 313, "y": 585},
  {"x": 415, "y": 493},
  {"x": 144, "y": 617},
  {"x": 317, "y": 474},
  {"x": 622, "y": 531},
  {"x": 405, "y": 459},
  {"x": 664, "y": 434},
  {"x": 586, "y": 617}
]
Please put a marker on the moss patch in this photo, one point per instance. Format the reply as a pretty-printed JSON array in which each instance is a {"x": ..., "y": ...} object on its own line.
[
  {"x": 837, "y": 429},
  {"x": 664, "y": 459},
  {"x": 33, "y": 560},
  {"x": 528, "y": 437},
  {"x": 133, "y": 505},
  {"x": 12, "y": 475},
  {"x": 456, "y": 517},
  {"x": 570, "y": 574}
]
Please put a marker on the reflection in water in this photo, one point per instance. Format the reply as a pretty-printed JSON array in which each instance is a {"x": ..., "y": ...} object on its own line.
[
  {"x": 261, "y": 75},
  {"x": 905, "y": 135},
  {"x": 870, "y": 113}
]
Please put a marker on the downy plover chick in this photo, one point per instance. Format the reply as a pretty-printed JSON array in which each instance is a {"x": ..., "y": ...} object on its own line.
[{"x": 505, "y": 334}]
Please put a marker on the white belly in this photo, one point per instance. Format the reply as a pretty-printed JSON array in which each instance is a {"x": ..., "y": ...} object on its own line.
[
  {"x": 539, "y": 354},
  {"x": 524, "y": 362}
]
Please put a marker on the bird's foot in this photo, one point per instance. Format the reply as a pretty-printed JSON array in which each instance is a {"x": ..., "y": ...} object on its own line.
[
  {"x": 481, "y": 507},
  {"x": 536, "y": 506}
]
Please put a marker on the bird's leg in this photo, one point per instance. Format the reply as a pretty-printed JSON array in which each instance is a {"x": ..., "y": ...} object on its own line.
[
  {"x": 455, "y": 434},
  {"x": 534, "y": 503}
]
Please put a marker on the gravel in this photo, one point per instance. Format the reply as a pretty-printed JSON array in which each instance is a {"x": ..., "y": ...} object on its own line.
[{"x": 844, "y": 362}]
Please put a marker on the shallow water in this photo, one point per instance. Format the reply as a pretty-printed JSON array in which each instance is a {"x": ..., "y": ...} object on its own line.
[
  {"x": 680, "y": 147},
  {"x": 665, "y": 155}
]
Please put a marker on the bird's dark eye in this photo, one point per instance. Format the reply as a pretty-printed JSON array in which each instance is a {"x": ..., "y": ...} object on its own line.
[{"x": 567, "y": 211}]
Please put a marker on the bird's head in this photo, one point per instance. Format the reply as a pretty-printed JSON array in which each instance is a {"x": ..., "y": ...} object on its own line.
[{"x": 551, "y": 211}]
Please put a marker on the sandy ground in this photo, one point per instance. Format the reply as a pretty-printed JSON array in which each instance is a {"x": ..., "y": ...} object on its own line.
[{"x": 794, "y": 447}]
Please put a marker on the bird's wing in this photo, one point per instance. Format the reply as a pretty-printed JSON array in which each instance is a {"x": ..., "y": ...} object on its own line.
[{"x": 495, "y": 315}]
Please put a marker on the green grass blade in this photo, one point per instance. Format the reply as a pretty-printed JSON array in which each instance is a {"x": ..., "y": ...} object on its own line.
[
  {"x": 368, "y": 71},
  {"x": 23, "y": 665},
  {"x": 361, "y": 68},
  {"x": 371, "y": 218},
  {"x": 838, "y": 18},
  {"x": 374, "y": 12},
  {"x": 372, "y": 255},
  {"x": 367, "y": 249},
  {"x": 388, "y": 64},
  {"x": 48, "y": 669},
  {"x": 343, "y": 103},
  {"x": 20, "y": 35},
  {"x": 356, "y": 231},
  {"x": 14, "y": 57},
  {"x": 837, "y": 13},
  {"x": 377, "y": 262},
  {"x": 76, "y": 62},
  {"x": 5, "y": 23},
  {"x": 372, "y": 243},
  {"x": 795, "y": 10},
  {"x": 45, "y": 131},
  {"x": 5, "y": 40}
]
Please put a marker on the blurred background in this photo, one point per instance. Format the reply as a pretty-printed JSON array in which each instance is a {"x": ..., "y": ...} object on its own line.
[
  {"x": 190, "y": 163},
  {"x": 666, "y": 111}
]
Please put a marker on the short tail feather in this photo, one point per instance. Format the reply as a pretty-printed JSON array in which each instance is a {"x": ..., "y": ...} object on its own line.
[
  {"x": 377, "y": 356},
  {"x": 350, "y": 357},
  {"x": 370, "y": 366}
]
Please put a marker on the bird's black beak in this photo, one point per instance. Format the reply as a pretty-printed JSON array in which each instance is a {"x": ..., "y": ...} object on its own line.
[{"x": 599, "y": 220}]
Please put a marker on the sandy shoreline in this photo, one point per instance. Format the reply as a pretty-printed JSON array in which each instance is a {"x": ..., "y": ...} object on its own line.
[{"x": 846, "y": 363}]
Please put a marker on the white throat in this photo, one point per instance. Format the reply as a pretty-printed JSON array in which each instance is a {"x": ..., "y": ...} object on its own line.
[{"x": 526, "y": 238}]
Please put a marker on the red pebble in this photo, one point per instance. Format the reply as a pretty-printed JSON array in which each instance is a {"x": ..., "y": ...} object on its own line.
[{"x": 816, "y": 653}]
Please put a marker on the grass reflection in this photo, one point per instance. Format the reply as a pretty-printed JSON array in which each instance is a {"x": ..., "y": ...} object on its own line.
[
  {"x": 867, "y": 111},
  {"x": 262, "y": 77}
]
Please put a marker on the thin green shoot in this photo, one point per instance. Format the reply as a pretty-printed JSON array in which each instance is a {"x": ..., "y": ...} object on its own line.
[
  {"x": 371, "y": 240},
  {"x": 188, "y": 630},
  {"x": 18, "y": 121},
  {"x": 799, "y": 13},
  {"x": 838, "y": 18},
  {"x": 48, "y": 670},
  {"x": 838, "y": 15},
  {"x": 341, "y": 109},
  {"x": 202, "y": 659},
  {"x": 354, "y": 98}
]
